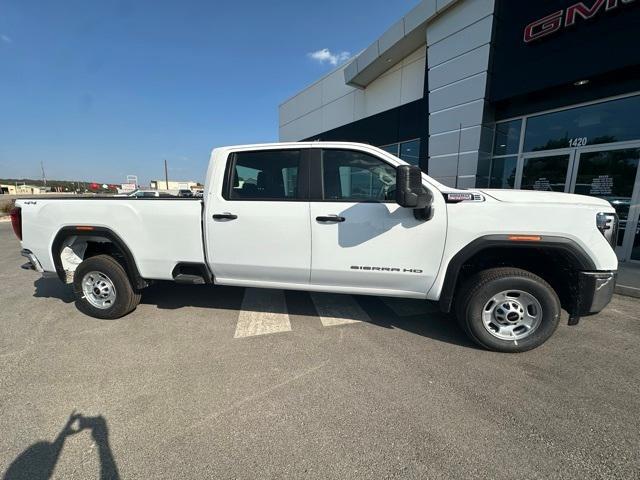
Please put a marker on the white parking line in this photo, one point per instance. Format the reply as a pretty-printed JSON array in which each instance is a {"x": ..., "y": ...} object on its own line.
[
  {"x": 263, "y": 312},
  {"x": 335, "y": 309},
  {"x": 407, "y": 307}
]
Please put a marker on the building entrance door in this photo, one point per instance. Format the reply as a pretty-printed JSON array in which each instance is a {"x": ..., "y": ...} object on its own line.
[
  {"x": 609, "y": 172},
  {"x": 612, "y": 173},
  {"x": 548, "y": 171}
]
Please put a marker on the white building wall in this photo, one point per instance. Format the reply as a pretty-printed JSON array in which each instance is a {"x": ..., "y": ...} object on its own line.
[
  {"x": 330, "y": 103},
  {"x": 458, "y": 46}
]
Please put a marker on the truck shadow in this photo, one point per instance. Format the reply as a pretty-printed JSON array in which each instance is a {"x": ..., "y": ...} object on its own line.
[
  {"x": 418, "y": 317},
  {"x": 361, "y": 228},
  {"x": 38, "y": 461},
  {"x": 53, "y": 288}
]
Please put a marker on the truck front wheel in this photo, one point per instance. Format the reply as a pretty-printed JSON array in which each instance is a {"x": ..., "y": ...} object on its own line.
[
  {"x": 508, "y": 309},
  {"x": 102, "y": 288}
]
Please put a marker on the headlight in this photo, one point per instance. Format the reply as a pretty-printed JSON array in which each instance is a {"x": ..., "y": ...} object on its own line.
[{"x": 607, "y": 223}]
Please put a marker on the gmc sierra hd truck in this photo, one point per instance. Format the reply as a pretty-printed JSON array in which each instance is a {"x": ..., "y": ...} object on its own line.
[{"x": 342, "y": 218}]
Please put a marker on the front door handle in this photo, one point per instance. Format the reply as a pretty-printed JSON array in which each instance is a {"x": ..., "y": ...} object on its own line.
[
  {"x": 330, "y": 218},
  {"x": 224, "y": 216}
]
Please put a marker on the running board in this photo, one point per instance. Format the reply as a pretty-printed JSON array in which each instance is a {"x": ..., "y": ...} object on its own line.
[
  {"x": 191, "y": 273},
  {"x": 189, "y": 279}
]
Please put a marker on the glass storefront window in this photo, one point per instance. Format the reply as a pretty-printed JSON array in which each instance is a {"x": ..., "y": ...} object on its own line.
[
  {"x": 607, "y": 122},
  {"x": 610, "y": 175},
  {"x": 545, "y": 173},
  {"x": 503, "y": 172},
  {"x": 635, "y": 252},
  {"x": 506, "y": 140},
  {"x": 407, "y": 151},
  {"x": 576, "y": 166},
  {"x": 392, "y": 149},
  {"x": 410, "y": 152}
]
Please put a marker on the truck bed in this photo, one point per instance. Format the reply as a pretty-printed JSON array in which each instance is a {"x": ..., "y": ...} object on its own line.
[{"x": 159, "y": 232}]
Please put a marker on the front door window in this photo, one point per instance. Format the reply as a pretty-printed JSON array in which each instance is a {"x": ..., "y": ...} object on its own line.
[{"x": 352, "y": 176}]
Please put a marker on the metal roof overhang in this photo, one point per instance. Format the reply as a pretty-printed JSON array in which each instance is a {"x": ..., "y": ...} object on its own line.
[{"x": 404, "y": 37}]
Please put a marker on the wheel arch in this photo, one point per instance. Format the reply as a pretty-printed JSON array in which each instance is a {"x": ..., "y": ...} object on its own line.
[
  {"x": 502, "y": 249},
  {"x": 128, "y": 260}
]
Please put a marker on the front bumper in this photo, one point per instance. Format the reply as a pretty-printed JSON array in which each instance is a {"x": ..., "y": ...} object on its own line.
[{"x": 595, "y": 291}]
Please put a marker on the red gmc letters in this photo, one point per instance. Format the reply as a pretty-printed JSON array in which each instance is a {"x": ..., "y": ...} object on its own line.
[{"x": 567, "y": 18}]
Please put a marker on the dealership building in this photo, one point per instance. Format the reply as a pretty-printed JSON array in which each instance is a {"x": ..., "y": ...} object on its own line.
[{"x": 541, "y": 95}]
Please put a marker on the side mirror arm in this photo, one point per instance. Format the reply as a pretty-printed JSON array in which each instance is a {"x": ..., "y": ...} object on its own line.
[
  {"x": 410, "y": 193},
  {"x": 425, "y": 213}
]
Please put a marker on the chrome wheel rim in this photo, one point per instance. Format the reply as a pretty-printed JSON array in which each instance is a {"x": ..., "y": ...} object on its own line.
[
  {"x": 99, "y": 290},
  {"x": 512, "y": 315}
]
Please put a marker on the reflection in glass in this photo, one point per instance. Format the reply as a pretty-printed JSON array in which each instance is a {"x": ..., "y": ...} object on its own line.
[
  {"x": 635, "y": 253},
  {"x": 503, "y": 172},
  {"x": 507, "y": 138},
  {"x": 609, "y": 175},
  {"x": 410, "y": 152},
  {"x": 356, "y": 176},
  {"x": 392, "y": 149},
  {"x": 545, "y": 173},
  {"x": 606, "y": 122}
]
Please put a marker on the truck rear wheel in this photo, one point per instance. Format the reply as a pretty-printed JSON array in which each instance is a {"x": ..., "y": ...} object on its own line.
[
  {"x": 508, "y": 309},
  {"x": 102, "y": 288}
]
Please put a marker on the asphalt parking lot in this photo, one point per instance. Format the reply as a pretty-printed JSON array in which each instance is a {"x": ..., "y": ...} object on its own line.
[{"x": 215, "y": 382}]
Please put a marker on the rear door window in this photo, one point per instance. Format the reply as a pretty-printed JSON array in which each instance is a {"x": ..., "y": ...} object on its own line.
[{"x": 263, "y": 175}]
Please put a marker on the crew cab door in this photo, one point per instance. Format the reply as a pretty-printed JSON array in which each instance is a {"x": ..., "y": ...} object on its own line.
[
  {"x": 362, "y": 241},
  {"x": 257, "y": 219}
]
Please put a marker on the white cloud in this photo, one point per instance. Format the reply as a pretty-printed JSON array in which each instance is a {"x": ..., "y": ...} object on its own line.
[
  {"x": 5, "y": 38},
  {"x": 326, "y": 56}
]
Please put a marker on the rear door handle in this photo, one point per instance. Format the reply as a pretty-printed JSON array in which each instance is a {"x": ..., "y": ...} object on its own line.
[
  {"x": 224, "y": 216},
  {"x": 330, "y": 218}
]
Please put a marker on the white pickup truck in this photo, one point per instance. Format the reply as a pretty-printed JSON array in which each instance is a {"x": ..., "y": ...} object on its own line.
[{"x": 343, "y": 218}]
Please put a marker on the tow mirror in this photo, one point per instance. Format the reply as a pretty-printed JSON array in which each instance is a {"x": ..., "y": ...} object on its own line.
[{"x": 409, "y": 190}]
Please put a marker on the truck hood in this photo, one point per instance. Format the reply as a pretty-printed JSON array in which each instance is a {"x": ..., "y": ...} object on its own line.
[{"x": 534, "y": 196}]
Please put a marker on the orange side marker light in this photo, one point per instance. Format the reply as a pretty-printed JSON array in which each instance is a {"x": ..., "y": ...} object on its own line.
[{"x": 525, "y": 238}]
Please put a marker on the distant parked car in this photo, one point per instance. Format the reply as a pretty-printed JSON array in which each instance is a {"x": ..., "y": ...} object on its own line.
[
  {"x": 199, "y": 193},
  {"x": 185, "y": 193},
  {"x": 144, "y": 193}
]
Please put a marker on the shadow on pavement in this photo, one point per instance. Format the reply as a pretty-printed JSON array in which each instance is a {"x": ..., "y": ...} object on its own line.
[
  {"x": 430, "y": 323},
  {"x": 39, "y": 460},
  {"x": 53, "y": 288}
]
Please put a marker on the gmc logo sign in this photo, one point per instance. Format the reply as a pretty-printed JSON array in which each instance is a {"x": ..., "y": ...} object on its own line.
[{"x": 569, "y": 17}]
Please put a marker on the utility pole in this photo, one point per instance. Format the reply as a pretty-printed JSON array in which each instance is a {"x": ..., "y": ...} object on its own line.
[
  {"x": 166, "y": 175},
  {"x": 44, "y": 177}
]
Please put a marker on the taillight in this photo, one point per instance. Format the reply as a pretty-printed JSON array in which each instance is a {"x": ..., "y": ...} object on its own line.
[{"x": 16, "y": 221}]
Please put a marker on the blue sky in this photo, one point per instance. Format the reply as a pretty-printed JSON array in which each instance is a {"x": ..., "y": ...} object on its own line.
[{"x": 99, "y": 89}]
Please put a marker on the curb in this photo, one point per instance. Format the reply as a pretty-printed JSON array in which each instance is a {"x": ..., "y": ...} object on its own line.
[
  {"x": 5, "y": 219},
  {"x": 627, "y": 291}
]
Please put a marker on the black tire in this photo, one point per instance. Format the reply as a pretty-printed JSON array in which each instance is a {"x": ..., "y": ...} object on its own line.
[
  {"x": 126, "y": 298},
  {"x": 478, "y": 290}
]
